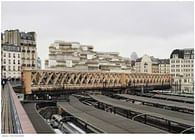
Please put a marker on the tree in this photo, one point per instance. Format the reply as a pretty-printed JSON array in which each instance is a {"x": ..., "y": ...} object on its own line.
[{"x": 134, "y": 56}]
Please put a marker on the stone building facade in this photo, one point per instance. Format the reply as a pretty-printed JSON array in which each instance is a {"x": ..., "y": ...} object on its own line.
[
  {"x": 18, "y": 51},
  {"x": 149, "y": 64},
  {"x": 182, "y": 69}
]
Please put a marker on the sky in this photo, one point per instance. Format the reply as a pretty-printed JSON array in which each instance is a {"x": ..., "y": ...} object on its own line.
[{"x": 154, "y": 28}]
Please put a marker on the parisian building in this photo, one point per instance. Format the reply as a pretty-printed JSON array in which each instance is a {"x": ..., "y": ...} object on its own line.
[
  {"x": 75, "y": 56},
  {"x": 150, "y": 64},
  {"x": 11, "y": 64},
  {"x": 143, "y": 64},
  {"x": 164, "y": 66},
  {"x": 28, "y": 50},
  {"x": 1, "y": 54},
  {"x": 182, "y": 69},
  {"x": 18, "y": 52}
]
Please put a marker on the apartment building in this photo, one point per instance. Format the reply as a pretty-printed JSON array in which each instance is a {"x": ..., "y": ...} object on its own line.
[
  {"x": 18, "y": 52},
  {"x": 11, "y": 62},
  {"x": 182, "y": 69},
  {"x": 143, "y": 64},
  {"x": 2, "y": 54},
  {"x": 150, "y": 64},
  {"x": 12, "y": 37},
  {"x": 28, "y": 50},
  {"x": 75, "y": 56},
  {"x": 164, "y": 66},
  {"x": 155, "y": 64}
]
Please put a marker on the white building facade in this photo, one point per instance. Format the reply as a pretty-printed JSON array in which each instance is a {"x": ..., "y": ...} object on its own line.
[
  {"x": 164, "y": 66},
  {"x": 149, "y": 64},
  {"x": 28, "y": 50},
  {"x": 143, "y": 65},
  {"x": 182, "y": 69},
  {"x": 18, "y": 52},
  {"x": 74, "y": 56},
  {"x": 11, "y": 62}
]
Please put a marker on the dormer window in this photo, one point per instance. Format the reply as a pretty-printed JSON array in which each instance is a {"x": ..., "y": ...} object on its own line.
[
  {"x": 145, "y": 64},
  {"x": 175, "y": 56},
  {"x": 186, "y": 56}
]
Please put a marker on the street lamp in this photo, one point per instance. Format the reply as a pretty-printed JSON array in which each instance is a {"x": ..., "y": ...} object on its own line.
[{"x": 180, "y": 80}]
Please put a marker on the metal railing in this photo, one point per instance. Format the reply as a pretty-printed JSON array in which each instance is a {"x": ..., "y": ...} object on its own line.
[
  {"x": 16, "y": 121},
  {"x": 21, "y": 121}
]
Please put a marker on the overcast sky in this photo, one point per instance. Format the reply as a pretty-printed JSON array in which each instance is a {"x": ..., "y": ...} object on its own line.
[{"x": 153, "y": 28}]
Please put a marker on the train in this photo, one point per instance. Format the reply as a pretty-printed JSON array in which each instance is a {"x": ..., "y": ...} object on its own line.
[{"x": 66, "y": 127}]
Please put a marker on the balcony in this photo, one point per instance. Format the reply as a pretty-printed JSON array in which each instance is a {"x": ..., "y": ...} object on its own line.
[
  {"x": 60, "y": 65},
  {"x": 52, "y": 57},
  {"x": 52, "y": 54},
  {"x": 52, "y": 47},
  {"x": 32, "y": 45}
]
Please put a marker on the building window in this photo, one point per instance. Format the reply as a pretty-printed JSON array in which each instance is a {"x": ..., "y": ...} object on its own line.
[
  {"x": 172, "y": 61},
  {"x": 18, "y": 68},
  {"x": 4, "y": 68},
  {"x": 9, "y": 61},
  {"x": 14, "y": 62},
  {"x": 18, "y": 61},
  {"x": 4, "y": 54},
  {"x": 177, "y": 70},
  {"x": 186, "y": 56},
  {"x": 4, "y": 61},
  {"x": 13, "y": 68},
  {"x": 175, "y": 56},
  {"x": 14, "y": 56},
  {"x": 9, "y": 68},
  {"x": 18, "y": 55},
  {"x": 9, "y": 55}
]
